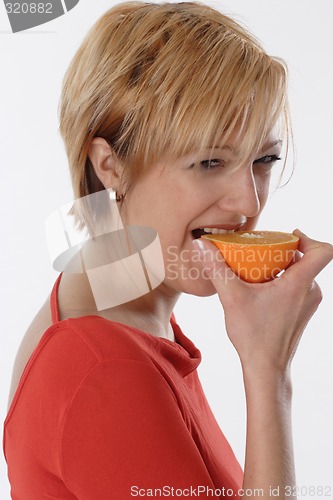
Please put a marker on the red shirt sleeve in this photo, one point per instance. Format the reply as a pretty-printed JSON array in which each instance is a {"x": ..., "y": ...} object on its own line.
[{"x": 124, "y": 435}]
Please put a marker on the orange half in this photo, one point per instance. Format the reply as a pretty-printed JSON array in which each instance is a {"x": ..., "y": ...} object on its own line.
[{"x": 256, "y": 256}]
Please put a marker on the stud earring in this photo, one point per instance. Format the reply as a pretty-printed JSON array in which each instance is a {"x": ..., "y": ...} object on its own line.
[{"x": 119, "y": 197}]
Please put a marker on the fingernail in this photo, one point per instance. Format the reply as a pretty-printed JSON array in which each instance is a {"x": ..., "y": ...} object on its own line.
[
  {"x": 205, "y": 254},
  {"x": 198, "y": 245}
]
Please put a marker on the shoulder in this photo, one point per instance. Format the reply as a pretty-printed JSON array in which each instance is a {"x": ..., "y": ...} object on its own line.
[
  {"x": 108, "y": 340},
  {"x": 73, "y": 340},
  {"x": 98, "y": 360},
  {"x": 75, "y": 345},
  {"x": 87, "y": 355}
]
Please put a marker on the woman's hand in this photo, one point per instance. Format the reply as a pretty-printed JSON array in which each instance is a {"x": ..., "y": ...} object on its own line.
[{"x": 264, "y": 321}]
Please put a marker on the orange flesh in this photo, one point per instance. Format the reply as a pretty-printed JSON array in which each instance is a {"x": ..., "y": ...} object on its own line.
[{"x": 253, "y": 237}]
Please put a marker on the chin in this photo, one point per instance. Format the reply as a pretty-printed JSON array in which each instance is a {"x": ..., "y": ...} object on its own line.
[
  {"x": 201, "y": 293},
  {"x": 199, "y": 288}
]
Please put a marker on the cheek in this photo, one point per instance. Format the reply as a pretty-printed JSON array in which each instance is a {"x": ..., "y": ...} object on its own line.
[
  {"x": 262, "y": 185},
  {"x": 184, "y": 275},
  {"x": 163, "y": 212}
]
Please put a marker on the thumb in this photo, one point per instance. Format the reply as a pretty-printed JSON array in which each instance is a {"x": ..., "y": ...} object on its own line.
[{"x": 216, "y": 269}]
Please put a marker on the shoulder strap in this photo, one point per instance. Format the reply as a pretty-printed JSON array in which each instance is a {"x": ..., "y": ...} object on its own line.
[{"x": 54, "y": 301}]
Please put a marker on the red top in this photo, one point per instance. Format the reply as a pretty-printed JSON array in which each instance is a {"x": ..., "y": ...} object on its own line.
[{"x": 106, "y": 411}]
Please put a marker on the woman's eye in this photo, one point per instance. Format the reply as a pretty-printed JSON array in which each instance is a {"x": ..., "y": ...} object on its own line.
[
  {"x": 210, "y": 164},
  {"x": 267, "y": 160}
]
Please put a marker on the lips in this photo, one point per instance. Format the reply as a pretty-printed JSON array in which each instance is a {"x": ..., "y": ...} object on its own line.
[{"x": 216, "y": 229}]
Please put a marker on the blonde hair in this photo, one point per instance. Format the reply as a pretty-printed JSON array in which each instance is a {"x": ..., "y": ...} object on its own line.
[{"x": 167, "y": 78}]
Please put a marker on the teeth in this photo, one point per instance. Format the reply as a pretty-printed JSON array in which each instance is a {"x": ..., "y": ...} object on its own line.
[{"x": 214, "y": 230}]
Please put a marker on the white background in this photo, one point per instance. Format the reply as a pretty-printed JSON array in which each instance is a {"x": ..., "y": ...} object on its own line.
[{"x": 35, "y": 181}]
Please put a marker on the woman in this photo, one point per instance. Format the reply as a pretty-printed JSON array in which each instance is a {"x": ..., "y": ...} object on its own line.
[{"x": 180, "y": 111}]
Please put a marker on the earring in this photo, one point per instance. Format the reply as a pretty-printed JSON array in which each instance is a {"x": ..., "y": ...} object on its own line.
[{"x": 119, "y": 197}]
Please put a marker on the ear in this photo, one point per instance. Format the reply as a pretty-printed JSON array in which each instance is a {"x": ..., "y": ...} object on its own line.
[{"x": 106, "y": 165}]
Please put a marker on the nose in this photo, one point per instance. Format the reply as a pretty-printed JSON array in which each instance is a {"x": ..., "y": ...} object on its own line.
[{"x": 241, "y": 195}]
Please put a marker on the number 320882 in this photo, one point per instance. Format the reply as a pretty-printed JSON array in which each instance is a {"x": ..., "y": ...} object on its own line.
[{"x": 29, "y": 8}]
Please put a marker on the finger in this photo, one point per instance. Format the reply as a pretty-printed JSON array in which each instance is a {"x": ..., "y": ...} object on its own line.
[
  {"x": 296, "y": 258},
  {"x": 316, "y": 255},
  {"x": 216, "y": 269}
]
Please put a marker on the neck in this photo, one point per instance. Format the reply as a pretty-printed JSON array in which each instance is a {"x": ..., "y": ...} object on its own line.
[{"x": 149, "y": 313}]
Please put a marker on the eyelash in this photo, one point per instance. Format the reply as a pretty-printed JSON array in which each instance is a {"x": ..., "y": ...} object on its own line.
[
  {"x": 207, "y": 164},
  {"x": 267, "y": 159}
]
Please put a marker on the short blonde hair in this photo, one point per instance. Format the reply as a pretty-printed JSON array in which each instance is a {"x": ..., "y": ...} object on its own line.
[{"x": 167, "y": 78}]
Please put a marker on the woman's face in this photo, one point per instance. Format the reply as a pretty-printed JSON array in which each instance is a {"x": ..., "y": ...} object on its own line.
[{"x": 180, "y": 198}]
